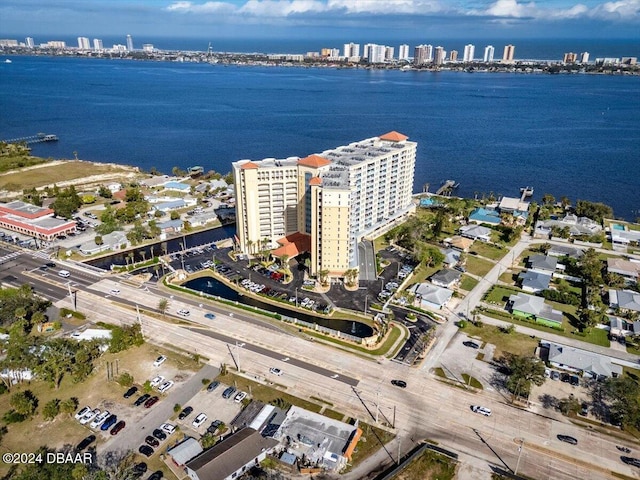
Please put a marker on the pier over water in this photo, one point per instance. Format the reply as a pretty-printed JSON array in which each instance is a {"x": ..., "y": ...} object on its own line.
[{"x": 39, "y": 138}]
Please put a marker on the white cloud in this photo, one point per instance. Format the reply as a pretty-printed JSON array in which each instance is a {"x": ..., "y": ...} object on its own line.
[
  {"x": 207, "y": 7},
  {"x": 511, "y": 8},
  {"x": 282, "y": 8},
  {"x": 622, "y": 10},
  {"x": 386, "y": 7}
]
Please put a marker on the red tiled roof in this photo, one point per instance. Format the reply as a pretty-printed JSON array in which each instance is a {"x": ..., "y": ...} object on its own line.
[
  {"x": 249, "y": 165},
  {"x": 393, "y": 137},
  {"x": 293, "y": 245},
  {"x": 314, "y": 161},
  {"x": 315, "y": 181}
]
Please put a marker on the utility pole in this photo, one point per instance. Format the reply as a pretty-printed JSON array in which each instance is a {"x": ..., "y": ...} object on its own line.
[
  {"x": 377, "y": 405},
  {"x": 519, "y": 455},
  {"x": 139, "y": 319}
]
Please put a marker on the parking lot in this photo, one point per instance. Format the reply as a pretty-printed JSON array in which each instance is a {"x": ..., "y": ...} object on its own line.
[
  {"x": 461, "y": 357},
  {"x": 558, "y": 387}
]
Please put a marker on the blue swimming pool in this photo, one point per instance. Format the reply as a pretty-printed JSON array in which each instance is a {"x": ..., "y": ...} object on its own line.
[{"x": 617, "y": 226}]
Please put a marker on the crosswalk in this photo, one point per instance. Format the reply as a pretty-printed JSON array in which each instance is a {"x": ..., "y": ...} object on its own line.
[
  {"x": 9, "y": 256},
  {"x": 41, "y": 254}
]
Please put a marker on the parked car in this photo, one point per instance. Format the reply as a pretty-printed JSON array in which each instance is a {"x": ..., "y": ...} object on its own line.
[
  {"x": 631, "y": 461},
  {"x": 141, "y": 399},
  {"x": 129, "y": 393},
  {"x": 159, "y": 434},
  {"x": 109, "y": 422},
  {"x": 87, "y": 417},
  {"x": 584, "y": 409},
  {"x": 565, "y": 377},
  {"x": 199, "y": 420},
  {"x": 228, "y": 392},
  {"x": 168, "y": 428},
  {"x": 555, "y": 375},
  {"x": 157, "y": 380},
  {"x": 151, "y": 441},
  {"x": 212, "y": 386},
  {"x": 118, "y": 427},
  {"x": 471, "y": 344},
  {"x": 185, "y": 413},
  {"x": 145, "y": 450},
  {"x": 159, "y": 361},
  {"x": 99, "y": 419},
  {"x": 151, "y": 402},
  {"x": 481, "y": 410},
  {"x": 157, "y": 475},
  {"x": 240, "y": 396},
  {"x": 139, "y": 469},
  {"x": 86, "y": 442},
  {"x": 82, "y": 412},
  {"x": 165, "y": 386},
  {"x": 213, "y": 428},
  {"x": 568, "y": 439},
  {"x": 574, "y": 380}
]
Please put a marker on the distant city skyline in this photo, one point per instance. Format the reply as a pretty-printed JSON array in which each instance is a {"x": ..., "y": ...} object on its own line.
[{"x": 324, "y": 19}]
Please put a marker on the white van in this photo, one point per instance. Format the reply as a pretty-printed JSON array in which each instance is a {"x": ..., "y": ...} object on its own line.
[{"x": 64, "y": 274}]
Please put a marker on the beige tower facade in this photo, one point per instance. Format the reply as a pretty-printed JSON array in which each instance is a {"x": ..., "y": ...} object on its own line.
[{"x": 326, "y": 203}]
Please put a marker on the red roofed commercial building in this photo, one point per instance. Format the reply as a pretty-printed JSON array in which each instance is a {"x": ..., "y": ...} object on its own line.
[
  {"x": 33, "y": 221},
  {"x": 325, "y": 203}
]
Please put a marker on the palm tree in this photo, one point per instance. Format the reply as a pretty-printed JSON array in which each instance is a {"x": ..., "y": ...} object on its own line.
[
  {"x": 250, "y": 245},
  {"x": 323, "y": 276},
  {"x": 163, "y": 304}
]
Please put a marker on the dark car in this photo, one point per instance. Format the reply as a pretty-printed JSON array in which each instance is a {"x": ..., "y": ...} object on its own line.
[
  {"x": 151, "y": 402},
  {"x": 228, "y": 392},
  {"x": 109, "y": 422},
  {"x": 471, "y": 344},
  {"x": 159, "y": 434},
  {"x": 565, "y": 377},
  {"x": 568, "y": 439},
  {"x": 399, "y": 383},
  {"x": 129, "y": 393},
  {"x": 151, "y": 441},
  {"x": 185, "y": 413},
  {"x": 118, "y": 426},
  {"x": 86, "y": 442},
  {"x": 146, "y": 450},
  {"x": 139, "y": 469},
  {"x": 141, "y": 399},
  {"x": 584, "y": 409},
  {"x": 50, "y": 264},
  {"x": 157, "y": 475},
  {"x": 574, "y": 380},
  {"x": 631, "y": 461},
  {"x": 214, "y": 426},
  {"x": 212, "y": 386}
]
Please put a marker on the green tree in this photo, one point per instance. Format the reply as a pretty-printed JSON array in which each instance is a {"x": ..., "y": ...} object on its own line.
[
  {"x": 125, "y": 379},
  {"x": 522, "y": 371},
  {"x": 591, "y": 268},
  {"x": 69, "y": 405},
  {"x": 57, "y": 359},
  {"x": 593, "y": 210},
  {"x": 51, "y": 409},
  {"x": 623, "y": 394},
  {"x": 163, "y": 304},
  {"x": 104, "y": 192},
  {"x": 548, "y": 199},
  {"x": 98, "y": 240},
  {"x": 24, "y": 403}
]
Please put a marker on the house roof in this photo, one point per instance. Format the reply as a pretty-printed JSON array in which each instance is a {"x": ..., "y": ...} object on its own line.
[
  {"x": 582, "y": 360},
  {"x": 177, "y": 186},
  {"x": 475, "y": 231},
  {"x": 535, "y": 280},
  {"x": 460, "y": 243},
  {"x": 249, "y": 165},
  {"x": 445, "y": 276},
  {"x": 315, "y": 181},
  {"x": 293, "y": 245},
  {"x": 542, "y": 262},
  {"x": 625, "y": 299},
  {"x": 623, "y": 267},
  {"x": 451, "y": 256},
  {"x": 484, "y": 215},
  {"x": 393, "y": 136},
  {"x": 533, "y": 305},
  {"x": 170, "y": 224},
  {"x": 511, "y": 204},
  {"x": 231, "y": 454},
  {"x": 185, "y": 451},
  {"x": 432, "y": 293},
  {"x": 563, "y": 251},
  {"x": 314, "y": 161}
]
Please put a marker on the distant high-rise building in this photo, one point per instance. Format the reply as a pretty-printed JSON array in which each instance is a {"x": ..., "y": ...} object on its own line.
[
  {"x": 507, "y": 56},
  {"x": 469, "y": 51},
  {"x": 351, "y": 50},
  {"x": 147, "y": 47},
  {"x": 376, "y": 53},
  {"x": 584, "y": 57},
  {"x": 335, "y": 53},
  {"x": 423, "y": 54},
  {"x": 388, "y": 53},
  {"x": 83, "y": 43},
  {"x": 439, "y": 56},
  {"x": 403, "y": 52},
  {"x": 97, "y": 44},
  {"x": 129, "y": 43},
  {"x": 570, "y": 57},
  {"x": 56, "y": 44},
  {"x": 453, "y": 56},
  {"x": 325, "y": 52},
  {"x": 488, "y": 54},
  {"x": 29, "y": 43}
]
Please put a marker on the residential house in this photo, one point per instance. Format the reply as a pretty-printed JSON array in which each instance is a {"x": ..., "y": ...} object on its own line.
[
  {"x": 114, "y": 187},
  {"x": 534, "y": 282},
  {"x": 531, "y": 307},
  {"x": 451, "y": 257},
  {"x": 201, "y": 219},
  {"x": 621, "y": 327},
  {"x": 168, "y": 206},
  {"x": 565, "y": 251},
  {"x": 459, "y": 243},
  {"x": 476, "y": 232},
  {"x": 576, "y": 225},
  {"x": 630, "y": 270},
  {"x": 446, "y": 278},
  {"x": 624, "y": 300},
  {"x": 485, "y": 215},
  {"x": 231, "y": 457},
  {"x": 177, "y": 187},
  {"x": 624, "y": 238},
  {"x": 580, "y": 361},
  {"x": 157, "y": 181},
  {"x": 171, "y": 226},
  {"x": 542, "y": 263},
  {"x": 431, "y": 296},
  {"x": 184, "y": 451},
  {"x": 110, "y": 241},
  {"x": 516, "y": 207}
]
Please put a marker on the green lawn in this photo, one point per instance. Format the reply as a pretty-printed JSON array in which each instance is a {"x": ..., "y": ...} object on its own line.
[
  {"x": 516, "y": 343},
  {"x": 499, "y": 295},
  {"x": 429, "y": 465},
  {"x": 489, "y": 251},
  {"x": 468, "y": 283},
  {"x": 478, "y": 266}
]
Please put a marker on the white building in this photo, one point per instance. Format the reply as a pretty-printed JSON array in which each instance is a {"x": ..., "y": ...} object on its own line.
[
  {"x": 83, "y": 43},
  {"x": 440, "y": 55},
  {"x": 147, "y": 47},
  {"x": 388, "y": 53},
  {"x": 351, "y": 50},
  {"x": 129, "y": 43},
  {"x": 489, "y": 51},
  {"x": 469, "y": 51},
  {"x": 423, "y": 54},
  {"x": 29, "y": 43},
  {"x": 375, "y": 53},
  {"x": 584, "y": 57},
  {"x": 403, "y": 52},
  {"x": 97, "y": 44}
]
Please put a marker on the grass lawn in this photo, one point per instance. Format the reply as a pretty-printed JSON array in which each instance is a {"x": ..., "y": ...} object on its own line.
[
  {"x": 515, "y": 342},
  {"x": 468, "y": 283},
  {"x": 478, "y": 266},
  {"x": 383, "y": 349},
  {"x": 499, "y": 295},
  {"x": 333, "y": 414},
  {"x": 429, "y": 465},
  {"x": 489, "y": 251},
  {"x": 633, "y": 349},
  {"x": 423, "y": 272},
  {"x": 372, "y": 440},
  {"x": 509, "y": 277},
  {"x": 472, "y": 381}
]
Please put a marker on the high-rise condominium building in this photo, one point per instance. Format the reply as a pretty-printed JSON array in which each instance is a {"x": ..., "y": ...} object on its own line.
[
  {"x": 376, "y": 53},
  {"x": 351, "y": 50},
  {"x": 584, "y": 57},
  {"x": 469, "y": 51},
  {"x": 403, "y": 52},
  {"x": 29, "y": 43},
  {"x": 439, "y": 56},
  {"x": 388, "y": 53},
  {"x": 489, "y": 51},
  {"x": 507, "y": 56},
  {"x": 570, "y": 57},
  {"x": 97, "y": 44},
  {"x": 129, "y": 43},
  {"x": 423, "y": 54},
  {"x": 83, "y": 43},
  {"x": 324, "y": 204},
  {"x": 453, "y": 56}
]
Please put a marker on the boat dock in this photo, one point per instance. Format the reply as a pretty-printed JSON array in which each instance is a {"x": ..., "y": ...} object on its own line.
[
  {"x": 447, "y": 187},
  {"x": 526, "y": 192},
  {"x": 39, "y": 138}
]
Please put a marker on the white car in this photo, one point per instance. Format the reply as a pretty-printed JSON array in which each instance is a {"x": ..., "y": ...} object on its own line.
[
  {"x": 184, "y": 312},
  {"x": 240, "y": 396},
  {"x": 199, "y": 420},
  {"x": 165, "y": 386},
  {"x": 99, "y": 419},
  {"x": 275, "y": 371},
  {"x": 481, "y": 410},
  {"x": 159, "y": 361},
  {"x": 64, "y": 274},
  {"x": 90, "y": 416},
  {"x": 157, "y": 380},
  {"x": 114, "y": 291},
  {"x": 168, "y": 428},
  {"x": 82, "y": 412}
]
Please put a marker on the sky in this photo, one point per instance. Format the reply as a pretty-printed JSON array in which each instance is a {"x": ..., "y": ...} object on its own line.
[{"x": 323, "y": 19}]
